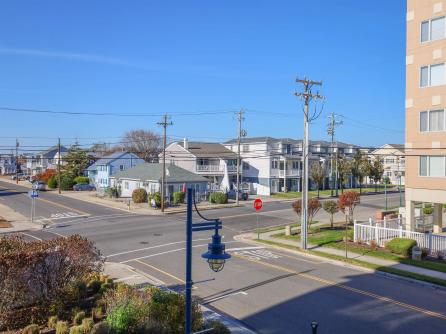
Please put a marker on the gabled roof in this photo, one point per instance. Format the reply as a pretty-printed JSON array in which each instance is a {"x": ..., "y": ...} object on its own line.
[
  {"x": 53, "y": 148},
  {"x": 110, "y": 158},
  {"x": 208, "y": 150},
  {"x": 153, "y": 172},
  {"x": 396, "y": 147}
]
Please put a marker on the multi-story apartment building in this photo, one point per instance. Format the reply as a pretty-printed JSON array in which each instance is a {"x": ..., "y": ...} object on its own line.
[
  {"x": 393, "y": 159},
  {"x": 272, "y": 165},
  {"x": 48, "y": 159},
  {"x": 8, "y": 164},
  {"x": 425, "y": 108},
  {"x": 211, "y": 160}
]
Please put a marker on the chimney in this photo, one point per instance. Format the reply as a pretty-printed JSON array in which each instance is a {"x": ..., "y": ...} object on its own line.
[{"x": 185, "y": 144}]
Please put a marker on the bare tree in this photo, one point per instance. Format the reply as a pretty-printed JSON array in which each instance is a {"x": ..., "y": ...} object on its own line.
[{"x": 145, "y": 143}]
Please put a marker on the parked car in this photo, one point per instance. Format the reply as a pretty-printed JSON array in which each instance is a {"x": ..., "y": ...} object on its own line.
[
  {"x": 84, "y": 187},
  {"x": 39, "y": 185},
  {"x": 243, "y": 195}
]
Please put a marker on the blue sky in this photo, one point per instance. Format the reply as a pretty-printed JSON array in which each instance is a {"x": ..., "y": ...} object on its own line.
[{"x": 200, "y": 56}]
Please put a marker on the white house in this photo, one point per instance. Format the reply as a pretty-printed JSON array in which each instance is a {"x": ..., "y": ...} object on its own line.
[
  {"x": 211, "y": 160},
  {"x": 48, "y": 159},
  {"x": 7, "y": 164},
  {"x": 149, "y": 176},
  {"x": 100, "y": 172},
  {"x": 394, "y": 162}
]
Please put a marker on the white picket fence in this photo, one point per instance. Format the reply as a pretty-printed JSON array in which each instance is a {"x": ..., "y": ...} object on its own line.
[{"x": 366, "y": 232}]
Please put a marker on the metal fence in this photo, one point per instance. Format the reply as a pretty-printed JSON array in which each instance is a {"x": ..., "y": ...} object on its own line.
[{"x": 366, "y": 232}]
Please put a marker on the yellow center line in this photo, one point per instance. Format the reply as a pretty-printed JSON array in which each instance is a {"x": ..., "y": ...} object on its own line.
[
  {"x": 161, "y": 271},
  {"x": 345, "y": 287}
]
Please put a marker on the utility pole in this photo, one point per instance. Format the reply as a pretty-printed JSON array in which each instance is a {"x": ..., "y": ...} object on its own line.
[
  {"x": 58, "y": 165},
  {"x": 306, "y": 96},
  {"x": 17, "y": 161},
  {"x": 332, "y": 123},
  {"x": 240, "y": 133},
  {"x": 164, "y": 124}
]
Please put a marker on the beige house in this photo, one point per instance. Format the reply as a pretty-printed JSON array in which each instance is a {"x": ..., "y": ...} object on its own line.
[
  {"x": 425, "y": 109},
  {"x": 392, "y": 157}
]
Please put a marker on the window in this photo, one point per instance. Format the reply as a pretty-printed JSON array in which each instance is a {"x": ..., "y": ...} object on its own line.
[
  {"x": 245, "y": 166},
  {"x": 433, "y": 30},
  {"x": 389, "y": 160},
  {"x": 245, "y": 148},
  {"x": 274, "y": 164},
  {"x": 423, "y": 121},
  {"x": 432, "y": 75},
  {"x": 126, "y": 185},
  {"x": 432, "y": 120},
  {"x": 121, "y": 167},
  {"x": 433, "y": 166},
  {"x": 287, "y": 149},
  {"x": 295, "y": 164}
]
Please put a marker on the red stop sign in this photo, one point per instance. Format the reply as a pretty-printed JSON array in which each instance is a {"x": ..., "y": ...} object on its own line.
[{"x": 258, "y": 204}]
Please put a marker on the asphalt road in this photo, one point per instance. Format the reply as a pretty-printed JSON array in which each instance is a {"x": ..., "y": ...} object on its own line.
[{"x": 270, "y": 291}]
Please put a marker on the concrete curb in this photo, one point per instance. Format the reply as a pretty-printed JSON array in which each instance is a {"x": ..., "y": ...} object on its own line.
[{"x": 346, "y": 265}]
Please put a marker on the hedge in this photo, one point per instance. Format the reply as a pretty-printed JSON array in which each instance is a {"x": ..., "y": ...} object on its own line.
[
  {"x": 178, "y": 197},
  {"x": 81, "y": 179},
  {"x": 139, "y": 195},
  {"x": 66, "y": 182},
  {"x": 157, "y": 197},
  {"x": 52, "y": 182},
  {"x": 401, "y": 246},
  {"x": 218, "y": 198}
]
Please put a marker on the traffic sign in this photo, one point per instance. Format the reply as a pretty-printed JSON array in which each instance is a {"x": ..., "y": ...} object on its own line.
[
  {"x": 258, "y": 204},
  {"x": 33, "y": 194}
]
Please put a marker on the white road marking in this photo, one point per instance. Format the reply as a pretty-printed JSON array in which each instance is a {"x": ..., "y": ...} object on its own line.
[
  {"x": 152, "y": 247},
  {"x": 169, "y": 251},
  {"x": 244, "y": 248},
  {"x": 31, "y": 236},
  {"x": 258, "y": 254},
  {"x": 58, "y": 216},
  {"x": 225, "y": 296},
  {"x": 58, "y": 234}
]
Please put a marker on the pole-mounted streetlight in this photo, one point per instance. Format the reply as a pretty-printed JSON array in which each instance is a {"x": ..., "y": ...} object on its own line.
[{"x": 216, "y": 255}]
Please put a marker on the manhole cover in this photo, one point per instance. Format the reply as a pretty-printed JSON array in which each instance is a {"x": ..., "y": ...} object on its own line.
[
  {"x": 143, "y": 242},
  {"x": 157, "y": 234}
]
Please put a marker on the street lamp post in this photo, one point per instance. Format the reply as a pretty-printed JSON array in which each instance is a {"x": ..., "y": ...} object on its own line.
[{"x": 216, "y": 255}]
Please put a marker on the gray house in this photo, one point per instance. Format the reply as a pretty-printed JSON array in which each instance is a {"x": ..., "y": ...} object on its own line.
[
  {"x": 7, "y": 164},
  {"x": 149, "y": 175},
  {"x": 48, "y": 159}
]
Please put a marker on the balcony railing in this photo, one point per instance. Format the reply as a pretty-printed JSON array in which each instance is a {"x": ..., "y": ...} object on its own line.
[
  {"x": 289, "y": 172},
  {"x": 210, "y": 168}
]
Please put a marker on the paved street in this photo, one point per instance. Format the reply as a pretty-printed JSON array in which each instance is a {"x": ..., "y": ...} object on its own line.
[{"x": 270, "y": 291}]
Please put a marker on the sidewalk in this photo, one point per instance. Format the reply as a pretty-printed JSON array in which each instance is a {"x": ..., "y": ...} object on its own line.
[
  {"x": 123, "y": 273},
  {"x": 365, "y": 258},
  {"x": 18, "y": 221}
]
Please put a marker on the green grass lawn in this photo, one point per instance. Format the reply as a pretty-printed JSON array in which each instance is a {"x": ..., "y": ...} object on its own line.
[
  {"x": 320, "y": 235},
  {"x": 325, "y": 193}
]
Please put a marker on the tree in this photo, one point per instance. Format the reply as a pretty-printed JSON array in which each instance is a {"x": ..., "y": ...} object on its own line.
[
  {"x": 349, "y": 200},
  {"x": 359, "y": 168},
  {"x": 331, "y": 207},
  {"x": 375, "y": 171},
  {"x": 317, "y": 174},
  {"x": 76, "y": 161},
  {"x": 146, "y": 144},
  {"x": 314, "y": 206},
  {"x": 344, "y": 170}
]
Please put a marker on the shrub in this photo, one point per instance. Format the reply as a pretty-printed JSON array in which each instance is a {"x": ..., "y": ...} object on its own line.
[
  {"x": 218, "y": 327},
  {"x": 157, "y": 197},
  {"x": 76, "y": 330},
  {"x": 112, "y": 192},
  {"x": 87, "y": 325},
  {"x": 81, "y": 179},
  {"x": 79, "y": 316},
  {"x": 139, "y": 195},
  {"x": 31, "y": 329},
  {"x": 97, "y": 313},
  {"x": 94, "y": 285},
  {"x": 401, "y": 246},
  {"x": 178, "y": 197},
  {"x": 218, "y": 198},
  {"x": 41, "y": 273},
  {"x": 77, "y": 290},
  {"x": 45, "y": 176},
  {"x": 62, "y": 327},
  {"x": 52, "y": 182},
  {"x": 52, "y": 322},
  {"x": 101, "y": 328},
  {"x": 66, "y": 181},
  {"x": 105, "y": 287},
  {"x": 428, "y": 210}
]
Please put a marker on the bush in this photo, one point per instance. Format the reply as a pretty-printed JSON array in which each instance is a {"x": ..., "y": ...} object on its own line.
[
  {"x": 94, "y": 285},
  {"x": 81, "y": 179},
  {"x": 178, "y": 197},
  {"x": 218, "y": 327},
  {"x": 87, "y": 325},
  {"x": 76, "y": 330},
  {"x": 401, "y": 246},
  {"x": 52, "y": 322},
  {"x": 100, "y": 328},
  {"x": 139, "y": 195},
  {"x": 112, "y": 192},
  {"x": 62, "y": 327},
  {"x": 218, "y": 198},
  {"x": 79, "y": 316},
  {"x": 31, "y": 329},
  {"x": 97, "y": 313},
  {"x": 52, "y": 182},
  {"x": 66, "y": 182},
  {"x": 428, "y": 210},
  {"x": 105, "y": 287},
  {"x": 157, "y": 197}
]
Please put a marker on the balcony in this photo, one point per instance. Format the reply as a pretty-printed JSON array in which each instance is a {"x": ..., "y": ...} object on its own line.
[
  {"x": 289, "y": 173},
  {"x": 210, "y": 169}
]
